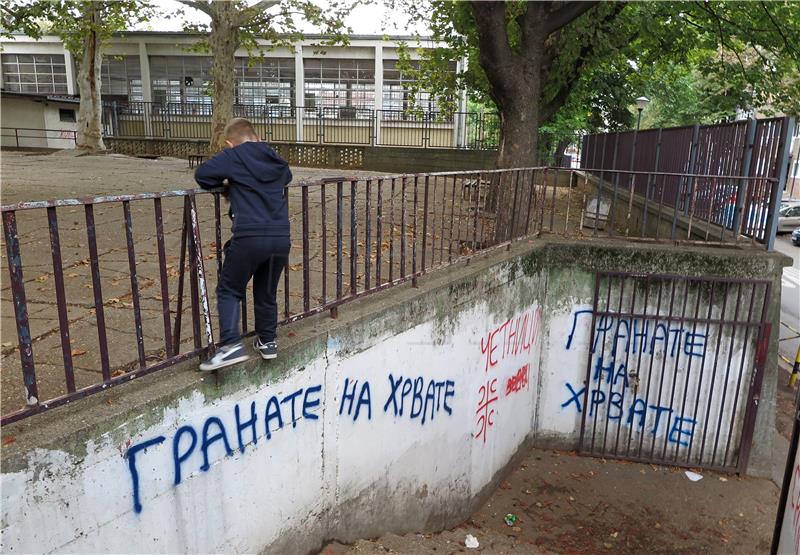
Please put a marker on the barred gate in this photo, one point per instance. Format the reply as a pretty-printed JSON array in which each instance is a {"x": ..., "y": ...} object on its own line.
[{"x": 674, "y": 369}]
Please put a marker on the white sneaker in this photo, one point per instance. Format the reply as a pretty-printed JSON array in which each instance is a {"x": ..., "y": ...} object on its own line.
[{"x": 226, "y": 355}]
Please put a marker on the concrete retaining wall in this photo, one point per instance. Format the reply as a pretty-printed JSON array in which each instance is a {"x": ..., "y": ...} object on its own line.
[
  {"x": 375, "y": 158},
  {"x": 401, "y": 415}
]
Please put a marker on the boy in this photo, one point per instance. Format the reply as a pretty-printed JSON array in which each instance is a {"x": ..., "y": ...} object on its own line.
[{"x": 259, "y": 248}]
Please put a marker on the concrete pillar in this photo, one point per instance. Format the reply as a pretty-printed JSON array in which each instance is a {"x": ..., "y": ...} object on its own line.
[
  {"x": 147, "y": 89},
  {"x": 69, "y": 65},
  {"x": 299, "y": 92},
  {"x": 144, "y": 66},
  {"x": 378, "y": 93},
  {"x": 461, "y": 119}
]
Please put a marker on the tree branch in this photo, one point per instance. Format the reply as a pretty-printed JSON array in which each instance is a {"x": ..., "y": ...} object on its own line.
[
  {"x": 202, "y": 5},
  {"x": 495, "y": 56},
  {"x": 549, "y": 109},
  {"x": 565, "y": 15},
  {"x": 251, "y": 12}
]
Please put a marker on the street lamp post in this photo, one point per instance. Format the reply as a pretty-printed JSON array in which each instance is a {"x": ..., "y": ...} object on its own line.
[{"x": 641, "y": 104}]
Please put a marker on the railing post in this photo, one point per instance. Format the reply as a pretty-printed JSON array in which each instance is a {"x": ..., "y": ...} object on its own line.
[
  {"x": 744, "y": 184},
  {"x": 781, "y": 170},
  {"x": 20, "y": 308},
  {"x": 16, "y": 136},
  {"x": 651, "y": 180},
  {"x": 692, "y": 162}
]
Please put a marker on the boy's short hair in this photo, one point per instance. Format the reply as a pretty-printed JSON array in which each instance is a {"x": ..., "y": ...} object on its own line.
[{"x": 239, "y": 130}]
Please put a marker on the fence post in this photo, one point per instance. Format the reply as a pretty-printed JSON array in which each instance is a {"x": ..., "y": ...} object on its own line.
[
  {"x": 741, "y": 192},
  {"x": 692, "y": 161},
  {"x": 651, "y": 180},
  {"x": 781, "y": 170}
]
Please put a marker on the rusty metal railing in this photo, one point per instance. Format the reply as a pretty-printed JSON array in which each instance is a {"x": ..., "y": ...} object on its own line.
[
  {"x": 116, "y": 281},
  {"x": 26, "y": 137}
]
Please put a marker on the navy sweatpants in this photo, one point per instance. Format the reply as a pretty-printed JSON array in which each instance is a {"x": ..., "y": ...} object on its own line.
[{"x": 263, "y": 259}]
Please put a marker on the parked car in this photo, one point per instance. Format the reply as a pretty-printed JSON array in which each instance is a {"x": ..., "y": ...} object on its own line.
[
  {"x": 789, "y": 217},
  {"x": 796, "y": 237}
]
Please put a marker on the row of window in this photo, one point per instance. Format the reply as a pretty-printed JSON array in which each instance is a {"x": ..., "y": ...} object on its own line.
[{"x": 328, "y": 83}]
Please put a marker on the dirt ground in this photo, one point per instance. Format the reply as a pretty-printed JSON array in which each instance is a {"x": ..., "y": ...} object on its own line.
[
  {"x": 456, "y": 226},
  {"x": 570, "y": 504}
]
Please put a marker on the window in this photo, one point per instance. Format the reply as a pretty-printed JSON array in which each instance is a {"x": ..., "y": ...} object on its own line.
[
  {"x": 397, "y": 93},
  {"x": 65, "y": 114},
  {"x": 182, "y": 84},
  {"x": 121, "y": 79},
  {"x": 338, "y": 83},
  {"x": 35, "y": 73},
  {"x": 266, "y": 82}
]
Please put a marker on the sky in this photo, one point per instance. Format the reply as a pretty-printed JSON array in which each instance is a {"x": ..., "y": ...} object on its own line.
[{"x": 368, "y": 19}]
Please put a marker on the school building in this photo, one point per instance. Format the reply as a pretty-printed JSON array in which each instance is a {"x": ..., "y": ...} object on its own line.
[{"x": 155, "y": 86}]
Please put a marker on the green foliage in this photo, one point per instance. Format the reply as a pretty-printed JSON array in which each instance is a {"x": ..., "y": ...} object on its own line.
[
  {"x": 697, "y": 61},
  {"x": 67, "y": 19},
  {"x": 276, "y": 22}
]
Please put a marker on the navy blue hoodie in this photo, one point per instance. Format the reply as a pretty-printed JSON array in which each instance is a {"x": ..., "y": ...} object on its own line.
[{"x": 256, "y": 177}]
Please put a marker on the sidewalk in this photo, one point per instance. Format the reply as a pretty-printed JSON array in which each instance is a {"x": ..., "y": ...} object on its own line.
[{"x": 566, "y": 503}]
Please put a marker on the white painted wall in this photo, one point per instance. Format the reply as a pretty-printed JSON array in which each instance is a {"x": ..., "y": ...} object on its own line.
[
  {"x": 380, "y": 432},
  {"x": 344, "y": 451},
  {"x": 38, "y": 123}
]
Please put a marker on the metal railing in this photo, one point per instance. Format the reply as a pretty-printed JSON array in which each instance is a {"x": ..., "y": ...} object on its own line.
[
  {"x": 25, "y": 137},
  {"x": 309, "y": 124},
  {"x": 751, "y": 148},
  {"x": 352, "y": 237}
]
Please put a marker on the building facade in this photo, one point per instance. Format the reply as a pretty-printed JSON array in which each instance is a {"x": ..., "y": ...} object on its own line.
[{"x": 154, "y": 85}]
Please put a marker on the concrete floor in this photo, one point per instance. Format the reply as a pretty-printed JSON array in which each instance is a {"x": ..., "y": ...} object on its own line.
[{"x": 566, "y": 503}]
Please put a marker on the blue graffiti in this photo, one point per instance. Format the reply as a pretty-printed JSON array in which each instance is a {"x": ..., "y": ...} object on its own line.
[
  {"x": 364, "y": 398},
  {"x": 435, "y": 399},
  {"x": 603, "y": 400},
  {"x": 187, "y": 440},
  {"x": 414, "y": 397},
  {"x": 639, "y": 335}
]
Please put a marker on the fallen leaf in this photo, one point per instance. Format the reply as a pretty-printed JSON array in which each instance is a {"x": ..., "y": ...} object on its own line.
[
  {"x": 8, "y": 440},
  {"x": 114, "y": 374},
  {"x": 42, "y": 278},
  {"x": 72, "y": 275},
  {"x": 78, "y": 352},
  {"x": 291, "y": 334}
]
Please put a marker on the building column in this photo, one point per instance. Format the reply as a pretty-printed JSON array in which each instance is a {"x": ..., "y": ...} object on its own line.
[
  {"x": 378, "y": 92},
  {"x": 461, "y": 120},
  {"x": 299, "y": 93},
  {"x": 147, "y": 89},
  {"x": 69, "y": 65}
]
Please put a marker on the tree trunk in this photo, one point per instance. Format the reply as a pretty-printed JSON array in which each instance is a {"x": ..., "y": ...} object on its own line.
[
  {"x": 89, "y": 135},
  {"x": 223, "y": 41}
]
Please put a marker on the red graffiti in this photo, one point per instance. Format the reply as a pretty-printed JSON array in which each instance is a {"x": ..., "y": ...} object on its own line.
[
  {"x": 518, "y": 381},
  {"x": 485, "y": 411},
  {"x": 511, "y": 338}
]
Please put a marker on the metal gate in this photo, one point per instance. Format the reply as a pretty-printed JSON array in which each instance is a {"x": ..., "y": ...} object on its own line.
[{"x": 674, "y": 369}]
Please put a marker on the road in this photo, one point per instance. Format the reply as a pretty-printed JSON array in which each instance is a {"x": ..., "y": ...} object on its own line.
[{"x": 790, "y": 297}]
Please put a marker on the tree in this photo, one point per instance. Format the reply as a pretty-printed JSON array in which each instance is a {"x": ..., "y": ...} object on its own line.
[
  {"x": 551, "y": 65},
  {"x": 84, "y": 27},
  {"x": 234, "y": 24}
]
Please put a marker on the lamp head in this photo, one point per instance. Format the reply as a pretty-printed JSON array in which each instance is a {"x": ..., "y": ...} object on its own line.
[{"x": 642, "y": 102}]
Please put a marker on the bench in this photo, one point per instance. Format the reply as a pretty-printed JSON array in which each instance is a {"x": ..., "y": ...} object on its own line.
[{"x": 196, "y": 159}]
